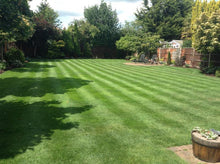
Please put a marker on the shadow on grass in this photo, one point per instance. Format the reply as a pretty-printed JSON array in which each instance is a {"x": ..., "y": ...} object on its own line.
[
  {"x": 37, "y": 87},
  {"x": 23, "y": 126},
  {"x": 33, "y": 67}
]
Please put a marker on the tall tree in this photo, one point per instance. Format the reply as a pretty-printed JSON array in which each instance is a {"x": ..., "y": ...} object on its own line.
[
  {"x": 207, "y": 33},
  {"x": 15, "y": 21},
  {"x": 200, "y": 7},
  {"x": 137, "y": 40},
  {"x": 164, "y": 17},
  {"x": 105, "y": 19},
  {"x": 67, "y": 37},
  {"x": 207, "y": 40},
  {"x": 83, "y": 33},
  {"x": 47, "y": 28}
]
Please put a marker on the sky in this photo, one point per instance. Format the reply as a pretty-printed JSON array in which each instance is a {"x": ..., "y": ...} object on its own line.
[{"x": 69, "y": 10}]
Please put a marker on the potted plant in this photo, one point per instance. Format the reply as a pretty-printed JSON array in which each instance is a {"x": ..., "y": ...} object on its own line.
[{"x": 206, "y": 144}]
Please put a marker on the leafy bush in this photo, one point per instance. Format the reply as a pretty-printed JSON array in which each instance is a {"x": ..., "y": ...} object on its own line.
[
  {"x": 217, "y": 72},
  {"x": 133, "y": 58},
  {"x": 55, "y": 49},
  {"x": 14, "y": 58},
  {"x": 187, "y": 43},
  {"x": 209, "y": 70},
  {"x": 180, "y": 61},
  {"x": 16, "y": 64},
  {"x": 161, "y": 61},
  {"x": 128, "y": 57},
  {"x": 2, "y": 65},
  {"x": 187, "y": 65}
]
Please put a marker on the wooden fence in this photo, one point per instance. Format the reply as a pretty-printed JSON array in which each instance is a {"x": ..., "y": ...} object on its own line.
[{"x": 193, "y": 58}]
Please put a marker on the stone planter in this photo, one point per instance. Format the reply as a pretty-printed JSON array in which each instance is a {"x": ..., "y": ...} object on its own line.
[{"x": 206, "y": 150}]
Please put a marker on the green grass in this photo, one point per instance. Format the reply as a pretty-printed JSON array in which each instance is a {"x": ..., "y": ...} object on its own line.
[{"x": 102, "y": 111}]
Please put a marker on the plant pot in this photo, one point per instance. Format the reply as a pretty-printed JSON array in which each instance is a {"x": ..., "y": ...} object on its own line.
[{"x": 206, "y": 150}]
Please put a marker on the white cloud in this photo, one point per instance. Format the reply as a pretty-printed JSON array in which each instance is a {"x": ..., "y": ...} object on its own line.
[{"x": 72, "y": 9}]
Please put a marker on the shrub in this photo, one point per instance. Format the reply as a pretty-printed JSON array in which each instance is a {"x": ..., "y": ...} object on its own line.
[
  {"x": 169, "y": 59},
  {"x": 180, "y": 61},
  {"x": 128, "y": 57},
  {"x": 14, "y": 58},
  {"x": 16, "y": 64},
  {"x": 55, "y": 49},
  {"x": 209, "y": 70},
  {"x": 133, "y": 58},
  {"x": 217, "y": 72},
  {"x": 187, "y": 65},
  {"x": 187, "y": 43},
  {"x": 2, "y": 65}
]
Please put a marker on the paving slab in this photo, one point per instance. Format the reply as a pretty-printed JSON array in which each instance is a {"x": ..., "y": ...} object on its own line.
[{"x": 186, "y": 153}]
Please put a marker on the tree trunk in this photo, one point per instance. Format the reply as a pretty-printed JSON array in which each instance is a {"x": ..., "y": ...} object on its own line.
[
  {"x": 2, "y": 52},
  {"x": 209, "y": 60},
  {"x": 5, "y": 48}
]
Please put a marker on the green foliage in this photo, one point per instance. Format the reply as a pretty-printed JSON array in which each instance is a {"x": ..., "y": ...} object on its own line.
[
  {"x": 206, "y": 67},
  {"x": 82, "y": 34},
  {"x": 128, "y": 57},
  {"x": 14, "y": 57},
  {"x": 136, "y": 40},
  {"x": 200, "y": 7},
  {"x": 2, "y": 65},
  {"x": 15, "y": 19},
  {"x": 129, "y": 43},
  {"x": 105, "y": 19},
  {"x": 47, "y": 28},
  {"x": 187, "y": 43},
  {"x": 164, "y": 17},
  {"x": 208, "y": 70},
  {"x": 217, "y": 72},
  {"x": 47, "y": 16},
  {"x": 77, "y": 49},
  {"x": 207, "y": 34},
  {"x": 209, "y": 135},
  {"x": 207, "y": 40},
  {"x": 69, "y": 43},
  {"x": 187, "y": 65},
  {"x": 87, "y": 51},
  {"x": 180, "y": 61},
  {"x": 150, "y": 43},
  {"x": 133, "y": 58},
  {"x": 63, "y": 109},
  {"x": 169, "y": 59},
  {"x": 55, "y": 49},
  {"x": 186, "y": 29}
]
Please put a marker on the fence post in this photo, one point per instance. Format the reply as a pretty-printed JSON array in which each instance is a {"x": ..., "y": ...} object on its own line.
[{"x": 159, "y": 53}]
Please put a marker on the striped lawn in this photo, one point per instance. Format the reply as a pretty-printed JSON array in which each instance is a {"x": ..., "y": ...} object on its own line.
[{"x": 102, "y": 111}]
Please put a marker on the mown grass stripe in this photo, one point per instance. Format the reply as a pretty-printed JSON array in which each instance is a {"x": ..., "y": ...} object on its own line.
[
  {"x": 88, "y": 94},
  {"x": 122, "y": 113},
  {"x": 131, "y": 118},
  {"x": 165, "y": 102},
  {"x": 121, "y": 92},
  {"x": 169, "y": 88},
  {"x": 141, "y": 71}
]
